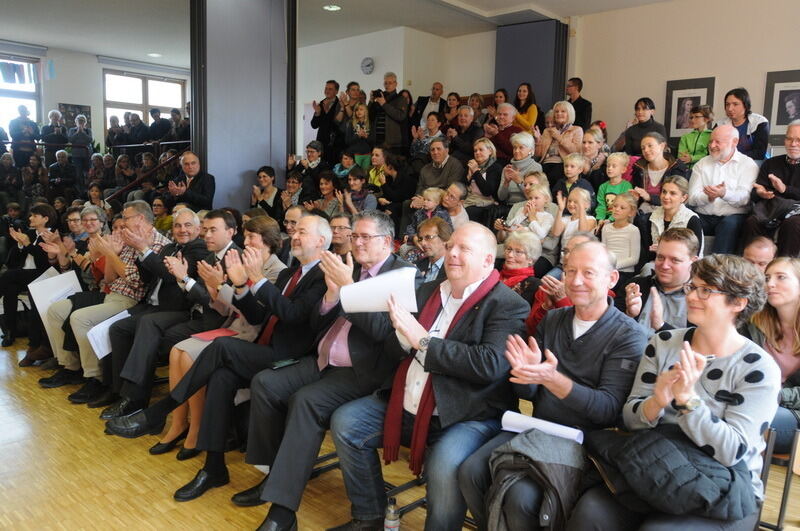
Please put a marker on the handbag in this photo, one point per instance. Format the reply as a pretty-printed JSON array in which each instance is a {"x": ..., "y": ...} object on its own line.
[{"x": 771, "y": 213}]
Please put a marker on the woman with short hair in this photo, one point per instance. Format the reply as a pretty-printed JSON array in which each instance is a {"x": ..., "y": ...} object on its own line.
[
  {"x": 558, "y": 141},
  {"x": 511, "y": 188},
  {"x": 522, "y": 249}
]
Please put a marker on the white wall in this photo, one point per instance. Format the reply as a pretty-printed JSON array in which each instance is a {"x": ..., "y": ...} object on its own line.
[
  {"x": 79, "y": 80},
  {"x": 625, "y": 54},
  {"x": 424, "y": 59},
  {"x": 469, "y": 65}
]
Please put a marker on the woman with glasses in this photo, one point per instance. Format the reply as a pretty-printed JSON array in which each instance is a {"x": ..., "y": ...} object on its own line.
[
  {"x": 522, "y": 249},
  {"x": 716, "y": 385},
  {"x": 694, "y": 146}
]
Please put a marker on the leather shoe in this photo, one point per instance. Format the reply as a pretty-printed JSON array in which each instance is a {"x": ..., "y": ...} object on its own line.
[
  {"x": 187, "y": 453},
  {"x": 106, "y": 398},
  {"x": 162, "y": 448},
  {"x": 8, "y": 340},
  {"x": 50, "y": 365},
  {"x": 250, "y": 497},
  {"x": 199, "y": 485},
  {"x": 90, "y": 391},
  {"x": 133, "y": 425},
  {"x": 272, "y": 525},
  {"x": 360, "y": 525},
  {"x": 122, "y": 407},
  {"x": 61, "y": 377},
  {"x": 38, "y": 354}
]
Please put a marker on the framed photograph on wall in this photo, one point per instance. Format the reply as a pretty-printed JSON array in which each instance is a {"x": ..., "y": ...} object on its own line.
[
  {"x": 682, "y": 95},
  {"x": 70, "y": 110},
  {"x": 781, "y": 102}
]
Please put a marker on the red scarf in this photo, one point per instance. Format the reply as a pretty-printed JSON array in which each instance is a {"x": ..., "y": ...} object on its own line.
[
  {"x": 393, "y": 422},
  {"x": 512, "y": 277}
]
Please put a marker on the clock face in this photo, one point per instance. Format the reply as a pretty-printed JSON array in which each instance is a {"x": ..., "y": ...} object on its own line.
[{"x": 367, "y": 65}]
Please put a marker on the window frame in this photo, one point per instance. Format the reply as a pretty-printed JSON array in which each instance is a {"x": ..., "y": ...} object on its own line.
[{"x": 36, "y": 95}]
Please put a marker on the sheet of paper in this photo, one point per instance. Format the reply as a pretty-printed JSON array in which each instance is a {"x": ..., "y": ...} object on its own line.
[
  {"x": 518, "y": 423},
  {"x": 49, "y": 273},
  {"x": 45, "y": 292},
  {"x": 98, "y": 335},
  {"x": 225, "y": 295},
  {"x": 372, "y": 295}
]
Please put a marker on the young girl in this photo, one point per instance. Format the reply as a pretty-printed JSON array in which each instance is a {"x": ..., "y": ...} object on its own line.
[
  {"x": 530, "y": 214},
  {"x": 573, "y": 166},
  {"x": 577, "y": 203},
  {"x": 615, "y": 166},
  {"x": 622, "y": 237},
  {"x": 671, "y": 213},
  {"x": 431, "y": 206},
  {"x": 357, "y": 135},
  {"x": 694, "y": 146}
]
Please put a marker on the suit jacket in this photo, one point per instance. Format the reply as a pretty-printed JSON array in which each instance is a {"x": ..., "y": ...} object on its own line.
[
  {"x": 17, "y": 256},
  {"x": 424, "y": 264},
  {"x": 371, "y": 364},
  {"x": 171, "y": 297},
  {"x": 199, "y": 294},
  {"x": 419, "y": 107},
  {"x": 291, "y": 335},
  {"x": 199, "y": 194},
  {"x": 469, "y": 368}
]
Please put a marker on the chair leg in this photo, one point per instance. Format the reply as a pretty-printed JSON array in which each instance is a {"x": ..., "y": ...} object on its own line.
[
  {"x": 770, "y": 439},
  {"x": 787, "y": 484}
]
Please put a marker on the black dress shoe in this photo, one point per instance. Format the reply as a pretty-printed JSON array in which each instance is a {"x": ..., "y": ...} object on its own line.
[
  {"x": 90, "y": 391},
  {"x": 272, "y": 525},
  {"x": 107, "y": 398},
  {"x": 62, "y": 377},
  {"x": 162, "y": 448},
  {"x": 50, "y": 365},
  {"x": 8, "y": 340},
  {"x": 122, "y": 407},
  {"x": 360, "y": 525},
  {"x": 199, "y": 485},
  {"x": 187, "y": 453},
  {"x": 250, "y": 497},
  {"x": 133, "y": 425}
]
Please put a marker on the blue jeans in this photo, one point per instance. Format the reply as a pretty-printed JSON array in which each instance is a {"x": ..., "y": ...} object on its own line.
[
  {"x": 784, "y": 424},
  {"x": 725, "y": 230},
  {"x": 357, "y": 430}
]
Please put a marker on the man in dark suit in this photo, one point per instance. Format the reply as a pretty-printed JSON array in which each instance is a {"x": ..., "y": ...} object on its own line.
[
  {"x": 433, "y": 236},
  {"x": 583, "y": 108},
  {"x": 193, "y": 186},
  {"x": 160, "y": 127},
  {"x": 228, "y": 364},
  {"x": 428, "y": 104},
  {"x": 448, "y": 392},
  {"x": 135, "y": 339},
  {"x": 291, "y": 407}
]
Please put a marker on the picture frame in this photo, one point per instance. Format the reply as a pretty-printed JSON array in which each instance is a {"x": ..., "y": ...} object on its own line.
[
  {"x": 781, "y": 102},
  {"x": 682, "y": 95},
  {"x": 70, "y": 110}
]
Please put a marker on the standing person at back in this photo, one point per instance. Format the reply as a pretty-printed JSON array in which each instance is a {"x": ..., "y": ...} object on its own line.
[
  {"x": 389, "y": 111},
  {"x": 583, "y": 108}
]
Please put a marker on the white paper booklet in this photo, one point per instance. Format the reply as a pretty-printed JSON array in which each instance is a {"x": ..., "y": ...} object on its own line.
[{"x": 518, "y": 423}]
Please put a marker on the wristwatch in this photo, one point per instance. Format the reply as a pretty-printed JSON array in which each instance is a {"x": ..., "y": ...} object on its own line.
[
  {"x": 186, "y": 279},
  {"x": 423, "y": 343},
  {"x": 691, "y": 404}
]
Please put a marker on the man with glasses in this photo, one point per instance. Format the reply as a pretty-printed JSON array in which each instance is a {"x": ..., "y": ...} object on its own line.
[
  {"x": 341, "y": 226},
  {"x": 433, "y": 234},
  {"x": 775, "y": 193},
  {"x": 658, "y": 301},
  {"x": 453, "y": 201},
  {"x": 291, "y": 408},
  {"x": 291, "y": 217}
]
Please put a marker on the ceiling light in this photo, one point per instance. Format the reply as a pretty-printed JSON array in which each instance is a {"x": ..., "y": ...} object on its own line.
[
  {"x": 154, "y": 54},
  {"x": 332, "y": 7}
]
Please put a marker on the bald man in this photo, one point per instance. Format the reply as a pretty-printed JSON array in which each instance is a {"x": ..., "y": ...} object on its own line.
[
  {"x": 449, "y": 391},
  {"x": 719, "y": 190}
]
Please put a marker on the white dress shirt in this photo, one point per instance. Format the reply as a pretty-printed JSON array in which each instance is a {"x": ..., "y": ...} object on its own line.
[{"x": 738, "y": 174}]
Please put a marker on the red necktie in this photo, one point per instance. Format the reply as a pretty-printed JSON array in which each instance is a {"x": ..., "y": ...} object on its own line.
[{"x": 266, "y": 334}]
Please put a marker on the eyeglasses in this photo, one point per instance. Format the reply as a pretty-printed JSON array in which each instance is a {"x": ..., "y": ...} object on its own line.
[
  {"x": 518, "y": 252},
  {"x": 73, "y": 220},
  {"x": 87, "y": 220},
  {"x": 340, "y": 229},
  {"x": 703, "y": 293},
  {"x": 365, "y": 237},
  {"x": 429, "y": 237}
]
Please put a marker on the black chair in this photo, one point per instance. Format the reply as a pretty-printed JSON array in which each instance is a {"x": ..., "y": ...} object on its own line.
[{"x": 787, "y": 460}]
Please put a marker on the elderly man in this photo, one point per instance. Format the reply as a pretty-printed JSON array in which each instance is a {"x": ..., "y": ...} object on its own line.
[
  {"x": 658, "y": 301},
  {"x": 126, "y": 289},
  {"x": 137, "y": 133},
  {"x": 229, "y": 364},
  {"x": 774, "y": 196},
  {"x": 577, "y": 372},
  {"x": 135, "y": 339},
  {"x": 453, "y": 201},
  {"x": 719, "y": 189},
  {"x": 441, "y": 172},
  {"x": 434, "y": 233},
  {"x": 389, "y": 113},
  {"x": 464, "y": 135},
  {"x": 500, "y": 133},
  {"x": 448, "y": 393},
  {"x": 193, "y": 186},
  {"x": 291, "y": 408},
  {"x": 54, "y": 133},
  {"x": 428, "y": 104},
  {"x": 760, "y": 252},
  {"x": 62, "y": 177},
  {"x": 291, "y": 217},
  {"x": 24, "y": 133},
  {"x": 324, "y": 121}
]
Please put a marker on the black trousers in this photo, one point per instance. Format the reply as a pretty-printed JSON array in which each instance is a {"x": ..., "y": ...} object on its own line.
[
  {"x": 597, "y": 510},
  {"x": 208, "y": 320},
  {"x": 225, "y": 366},
  {"x": 135, "y": 344},
  {"x": 12, "y": 283},
  {"x": 290, "y": 411}
]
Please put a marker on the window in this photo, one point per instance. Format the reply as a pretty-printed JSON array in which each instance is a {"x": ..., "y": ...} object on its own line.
[
  {"x": 18, "y": 86},
  {"x": 131, "y": 92}
]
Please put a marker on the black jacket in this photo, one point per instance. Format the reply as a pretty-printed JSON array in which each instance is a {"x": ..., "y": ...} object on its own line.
[
  {"x": 199, "y": 194},
  {"x": 160, "y": 129},
  {"x": 419, "y": 107},
  {"x": 17, "y": 256},
  {"x": 372, "y": 364},
  {"x": 199, "y": 294},
  {"x": 171, "y": 297},
  {"x": 461, "y": 144},
  {"x": 62, "y": 176},
  {"x": 291, "y": 335},
  {"x": 469, "y": 368}
]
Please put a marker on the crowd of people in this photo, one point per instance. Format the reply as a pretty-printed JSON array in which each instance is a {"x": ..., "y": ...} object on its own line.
[{"x": 552, "y": 266}]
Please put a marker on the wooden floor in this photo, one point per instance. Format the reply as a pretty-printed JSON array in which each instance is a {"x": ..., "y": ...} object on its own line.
[{"x": 58, "y": 470}]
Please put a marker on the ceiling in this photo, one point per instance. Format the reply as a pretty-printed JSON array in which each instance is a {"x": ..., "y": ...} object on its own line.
[{"x": 131, "y": 30}]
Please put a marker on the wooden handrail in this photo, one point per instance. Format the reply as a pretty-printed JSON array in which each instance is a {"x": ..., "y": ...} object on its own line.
[{"x": 133, "y": 184}]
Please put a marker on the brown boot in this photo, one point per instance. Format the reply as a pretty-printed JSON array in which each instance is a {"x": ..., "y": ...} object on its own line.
[{"x": 38, "y": 354}]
